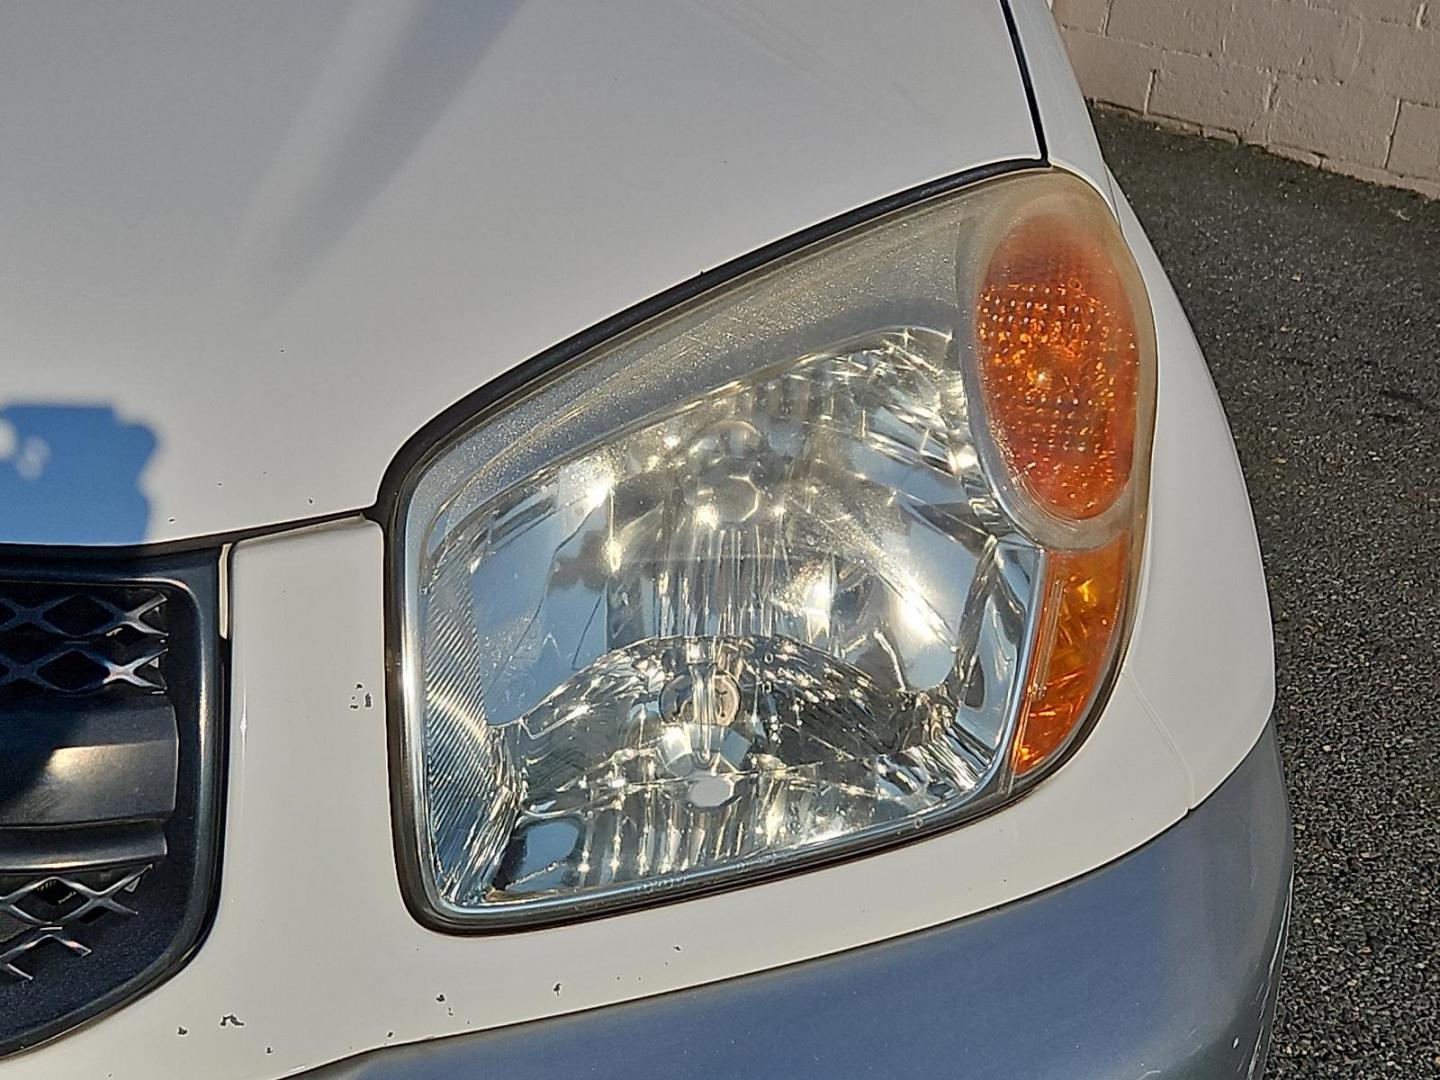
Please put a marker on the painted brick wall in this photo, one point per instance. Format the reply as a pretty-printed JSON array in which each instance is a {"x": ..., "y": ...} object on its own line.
[{"x": 1349, "y": 85}]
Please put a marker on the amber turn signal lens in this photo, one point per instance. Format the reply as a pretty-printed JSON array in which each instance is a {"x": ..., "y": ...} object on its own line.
[
  {"x": 1081, "y": 617},
  {"x": 1058, "y": 366},
  {"x": 1064, "y": 367}
]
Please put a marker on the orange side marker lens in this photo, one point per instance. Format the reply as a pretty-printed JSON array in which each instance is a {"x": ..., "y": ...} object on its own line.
[{"x": 1083, "y": 606}]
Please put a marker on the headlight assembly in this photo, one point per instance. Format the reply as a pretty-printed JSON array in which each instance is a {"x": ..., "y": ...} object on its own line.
[{"x": 834, "y": 554}]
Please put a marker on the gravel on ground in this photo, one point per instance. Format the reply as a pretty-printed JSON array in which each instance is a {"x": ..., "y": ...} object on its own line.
[{"x": 1317, "y": 301}]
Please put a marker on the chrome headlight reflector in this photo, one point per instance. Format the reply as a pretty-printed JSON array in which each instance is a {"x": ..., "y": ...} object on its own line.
[{"x": 831, "y": 555}]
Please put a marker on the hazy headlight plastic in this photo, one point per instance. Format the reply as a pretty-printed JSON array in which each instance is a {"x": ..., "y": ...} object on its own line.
[{"x": 834, "y": 554}]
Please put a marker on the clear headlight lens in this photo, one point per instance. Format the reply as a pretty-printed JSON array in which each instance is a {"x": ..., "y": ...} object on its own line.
[{"x": 832, "y": 555}]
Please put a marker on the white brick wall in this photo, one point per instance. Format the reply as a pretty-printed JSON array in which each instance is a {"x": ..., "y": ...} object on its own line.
[{"x": 1349, "y": 85}]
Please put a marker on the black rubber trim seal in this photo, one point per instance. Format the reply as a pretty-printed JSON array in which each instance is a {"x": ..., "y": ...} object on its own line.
[
  {"x": 78, "y": 554},
  {"x": 421, "y": 449},
  {"x": 193, "y": 582},
  {"x": 1025, "y": 78},
  {"x": 427, "y": 442}
]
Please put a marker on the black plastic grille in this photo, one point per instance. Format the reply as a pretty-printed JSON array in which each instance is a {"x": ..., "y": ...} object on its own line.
[
  {"x": 109, "y": 780},
  {"x": 67, "y": 639}
]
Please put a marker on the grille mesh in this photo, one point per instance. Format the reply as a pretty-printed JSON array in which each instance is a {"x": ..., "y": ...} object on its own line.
[
  {"x": 73, "y": 640},
  {"x": 51, "y": 911}
]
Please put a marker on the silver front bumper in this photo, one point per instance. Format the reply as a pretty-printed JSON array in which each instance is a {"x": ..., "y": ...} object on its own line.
[{"x": 1163, "y": 964}]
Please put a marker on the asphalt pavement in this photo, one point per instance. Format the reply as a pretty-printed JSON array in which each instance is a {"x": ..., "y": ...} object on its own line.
[{"x": 1317, "y": 301}]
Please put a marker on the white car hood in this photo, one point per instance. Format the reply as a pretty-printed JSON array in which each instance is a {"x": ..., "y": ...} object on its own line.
[{"x": 246, "y": 251}]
